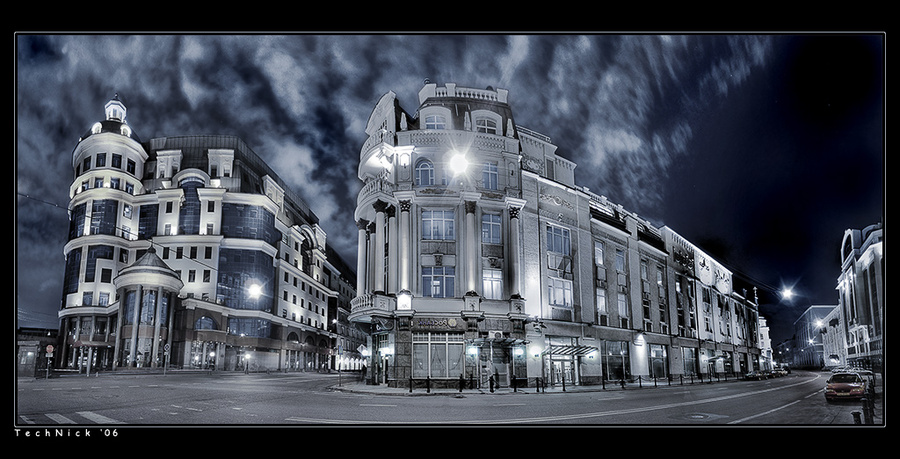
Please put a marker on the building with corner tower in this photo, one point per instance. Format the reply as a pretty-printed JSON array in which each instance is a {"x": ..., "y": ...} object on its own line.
[
  {"x": 191, "y": 252},
  {"x": 484, "y": 261}
]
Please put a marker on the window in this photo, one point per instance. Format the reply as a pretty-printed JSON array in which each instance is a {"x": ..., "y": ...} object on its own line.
[
  {"x": 492, "y": 284},
  {"x": 490, "y": 229},
  {"x": 620, "y": 260},
  {"x": 601, "y": 302},
  {"x": 424, "y": 174},
  {"x": 486, "y": 125},
  {"x": 559, "y": 292},
  {"x": 622, "y": 304},
  {"x": 489, "y": 175},
  {"x": 598, "y": 253},
  {"x": 558, "y": 239},
  {"x": 117, "y": 161},
  {"x": 437, "y": 225},
  {"x": 558, "y": 245},
  {"x": 438, "y": 281},
  {"x": 438, "y": 355},
  {"x": 435, "y": 122}
]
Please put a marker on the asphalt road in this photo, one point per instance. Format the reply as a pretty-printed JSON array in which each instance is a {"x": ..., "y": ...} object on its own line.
[{"x": 309, "y": 399}]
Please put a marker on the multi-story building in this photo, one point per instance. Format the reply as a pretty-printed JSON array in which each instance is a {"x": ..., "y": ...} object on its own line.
[
  {"x": 191, "y": 251},
  {"x": 483, "y": 259},
  {"x": 808, "y": 346},
  {"x": 834, "y": 351},
  {"x": 861, "y": 296}
]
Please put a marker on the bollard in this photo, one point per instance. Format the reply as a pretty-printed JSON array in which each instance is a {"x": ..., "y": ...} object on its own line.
[
  {"x": 492, "y": 383},
  {"x": 462, "y": 383},
  {"x": 866, "y": 411},
  {"x": 410, "y": 384},
  {"x": 428, "y": 384},
  {"x": 856, "y": 418}
]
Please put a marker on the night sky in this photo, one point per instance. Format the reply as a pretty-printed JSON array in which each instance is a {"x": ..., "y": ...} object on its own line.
[{"x": 759, "y": 149}]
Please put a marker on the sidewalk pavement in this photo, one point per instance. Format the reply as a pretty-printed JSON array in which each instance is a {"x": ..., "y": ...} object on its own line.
[{"x": 419, "y": 389}]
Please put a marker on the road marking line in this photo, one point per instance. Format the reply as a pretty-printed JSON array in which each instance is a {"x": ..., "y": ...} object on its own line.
[
  {"x": 60, "y": 419},
  {"x": 764, "y": 413},
  {"x": 98, "y": 418},
  {"x": 374, "y": 404}
]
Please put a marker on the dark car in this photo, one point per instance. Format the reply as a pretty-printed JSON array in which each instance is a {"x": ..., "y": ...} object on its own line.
[
  {"x": 756, "y": 375},
  {"x": 845, "y": 386}
]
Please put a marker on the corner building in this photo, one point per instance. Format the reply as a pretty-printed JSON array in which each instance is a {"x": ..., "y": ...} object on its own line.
[
  {"x": 484, "y": 261},
  {"x": 190, "y": 251}
]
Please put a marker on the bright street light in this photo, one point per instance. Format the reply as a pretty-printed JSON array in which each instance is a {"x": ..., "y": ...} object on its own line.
[
  {"x": 458, "y": 163},
  {"x": 787, "y": 293}
]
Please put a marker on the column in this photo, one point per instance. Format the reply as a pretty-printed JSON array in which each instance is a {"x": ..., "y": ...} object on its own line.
[
  {"x": 370, "y": 270},
  {"x": 361, "y": 259},
  {"x": 136, "y": 323},
  {"x": 156, "y": 324},
  {"x": 392, "y": 249},
  {"x": 472, "y": 248},
  {"x": 514, "y": 253},
  {"x": 378, "y": 259},
  {"x": 403, "y": 242}
]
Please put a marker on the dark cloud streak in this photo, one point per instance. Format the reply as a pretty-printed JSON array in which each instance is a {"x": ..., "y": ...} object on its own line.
[{"x": 765, "y": 147}]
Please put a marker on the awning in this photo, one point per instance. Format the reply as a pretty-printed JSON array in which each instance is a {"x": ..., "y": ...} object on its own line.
[
  {"x": 497, "y": 342},
  {"x": 569, "y": 350}
]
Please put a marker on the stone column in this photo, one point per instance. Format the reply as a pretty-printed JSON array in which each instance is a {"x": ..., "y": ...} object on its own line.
[
  {"x": 378, "y": 259},
  {"x": 392, "y": 249},
  {"x": 403, "y": 242},
  {"x": 471, "y": 248},
  {"x": 136, "y": 323},
  {"x": 157, "y": 316},
  {"x": 514, "y": 252},
  {"x": 361, "y": 259}
]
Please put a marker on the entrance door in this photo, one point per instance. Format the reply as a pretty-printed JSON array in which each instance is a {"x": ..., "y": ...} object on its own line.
[{"x": 563, "y": 369}]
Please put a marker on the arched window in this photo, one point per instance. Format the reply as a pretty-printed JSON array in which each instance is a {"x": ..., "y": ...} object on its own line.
[
  {"x": 205, "y": 323},
  {"x": 486, "y": 125},
  {"x": 435, "y": 122},
  {"x": 424, "y": 175}
]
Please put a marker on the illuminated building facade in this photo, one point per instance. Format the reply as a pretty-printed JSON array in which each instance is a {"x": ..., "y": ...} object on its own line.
[
  {"x": 484, "y": 260},
  {"x": 861, "y": 296},
  {"x": 191, "y": 251}
]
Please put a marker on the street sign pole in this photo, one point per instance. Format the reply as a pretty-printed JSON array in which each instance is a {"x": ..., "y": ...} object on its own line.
[{"x": 49, "y": 359}]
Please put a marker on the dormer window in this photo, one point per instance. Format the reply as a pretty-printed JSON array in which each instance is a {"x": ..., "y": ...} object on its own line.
[
  {"x": 435, "y": 122},
  {"x": 485, "y": 125}
]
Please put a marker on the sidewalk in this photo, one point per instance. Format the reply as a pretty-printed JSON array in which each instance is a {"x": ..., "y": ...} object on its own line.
[{"x": 359, "y": 386}]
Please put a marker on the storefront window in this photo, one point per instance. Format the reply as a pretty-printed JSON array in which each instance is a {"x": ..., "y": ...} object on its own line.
[
  {"x": 438, "y": 355},
  {"x": 615, "y": 360}
]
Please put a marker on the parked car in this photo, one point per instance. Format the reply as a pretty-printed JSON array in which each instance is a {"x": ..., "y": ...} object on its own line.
[
  {"x": 755, "y": 375},
  {"x": 845, "y": 385},
  {"x": 779, "y": 372}
]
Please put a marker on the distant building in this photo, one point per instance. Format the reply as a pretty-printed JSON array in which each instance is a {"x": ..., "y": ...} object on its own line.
[
  {"x": 808, "y": 347},
  {"x": 34, "y": 351},
  {"x": 191, "y": 251},
  {"x": 480, "y": 258},
  {"x": 766, "y": 359},
  {"x": 834, "y": 348},
  {"x": 860, "y": 289}
]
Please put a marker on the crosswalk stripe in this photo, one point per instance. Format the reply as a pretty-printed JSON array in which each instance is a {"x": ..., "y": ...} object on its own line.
[
  {"x": 98, "y": 418},
  {"x": 60, "y": 419}
]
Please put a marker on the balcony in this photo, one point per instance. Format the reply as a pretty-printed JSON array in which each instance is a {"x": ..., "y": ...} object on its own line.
[
  {"x": 373, "y": 190},
  {"x": 364, "y": 306}
]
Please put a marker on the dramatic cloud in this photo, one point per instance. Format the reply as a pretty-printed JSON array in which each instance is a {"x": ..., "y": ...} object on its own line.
[{"x": 658, "y": 123}]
